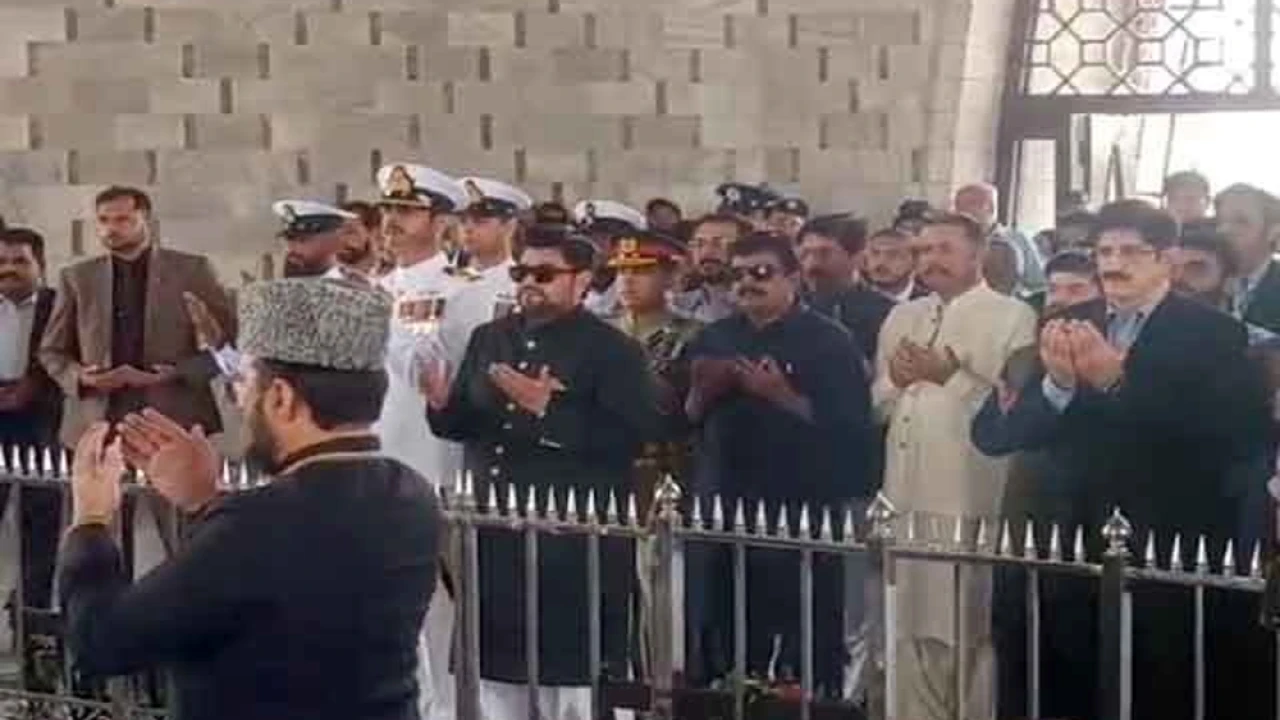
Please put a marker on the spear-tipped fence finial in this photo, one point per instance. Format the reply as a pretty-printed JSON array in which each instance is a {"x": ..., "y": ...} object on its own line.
[
  {"x": 1202, "y": 556},
  {"x": 1055, "y": 543},
  {"x": 762, "y": 519},
  {"x": 1229, "y": 559}
]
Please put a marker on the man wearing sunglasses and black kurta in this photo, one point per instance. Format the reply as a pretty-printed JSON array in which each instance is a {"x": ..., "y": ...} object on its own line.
[
  {"x": 783, "y": 411},
  {"x": 550, "y": 399}
]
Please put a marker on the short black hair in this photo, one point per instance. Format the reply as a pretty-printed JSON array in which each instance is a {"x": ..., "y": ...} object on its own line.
[
  {"x": 1207, "y": 239},
  {"x": 972, "y": 228},
  {"x": 1186, "y": 179},
  {"x": 660, "y": 202},
  {"x": 141, "y": 201},
  {"x": 370, "y": 215},
  {"x": 744, "y": 227},
  {"x": 1071, "y": 261},
  {"x": 335, "y": 397},
  {"x": 759, "y": 243},
  {"x": 24, "y": 236},
  {"x": 845, "y": 230},
  {"x": 577, "y": 249},
  {"x": 1157, "y": 227},
  {"x": 1268, "y": 203}
]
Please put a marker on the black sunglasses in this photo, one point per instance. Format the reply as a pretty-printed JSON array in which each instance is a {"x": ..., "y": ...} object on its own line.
[
  {"x": 762, "y": 272},
  {"x": 541, "y": 274}
]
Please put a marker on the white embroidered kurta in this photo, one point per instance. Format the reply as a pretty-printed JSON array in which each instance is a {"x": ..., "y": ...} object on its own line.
[{"x": 933, "y": 470}]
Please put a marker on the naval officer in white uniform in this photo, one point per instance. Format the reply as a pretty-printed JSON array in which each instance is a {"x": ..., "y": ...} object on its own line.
[
  {"x": 604, "y": 221},
  {"x": 490, "y": 223}
]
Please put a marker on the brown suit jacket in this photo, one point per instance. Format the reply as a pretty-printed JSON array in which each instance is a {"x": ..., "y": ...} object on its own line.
[{"x": 79, "y": 335}]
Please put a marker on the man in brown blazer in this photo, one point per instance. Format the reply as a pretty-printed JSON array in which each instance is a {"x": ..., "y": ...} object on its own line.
[{"x": 119, "y": 338}]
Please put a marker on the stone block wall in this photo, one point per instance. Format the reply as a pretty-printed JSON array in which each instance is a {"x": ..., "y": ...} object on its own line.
[{"x": 220, "y": 106}]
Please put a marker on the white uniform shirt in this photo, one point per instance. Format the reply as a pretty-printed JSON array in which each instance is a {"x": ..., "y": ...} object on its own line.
[
  {"x": 403, "y": 427},
  {"x": 478, "y": 301}
]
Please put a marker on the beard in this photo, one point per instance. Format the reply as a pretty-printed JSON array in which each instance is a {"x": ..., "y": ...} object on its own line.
[
  {"x": 261, "y": 448},
  {"x": 297, "y": 268},
  {"x": 355, "y": 256}
]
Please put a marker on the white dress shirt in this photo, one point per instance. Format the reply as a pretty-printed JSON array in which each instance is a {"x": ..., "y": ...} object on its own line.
[{"x": 15, "y": 336}]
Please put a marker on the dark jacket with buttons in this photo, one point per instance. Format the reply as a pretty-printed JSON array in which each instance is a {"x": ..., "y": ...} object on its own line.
[
  {"x": 587, "y": 440},
  {"x": 299, "y": 599}
]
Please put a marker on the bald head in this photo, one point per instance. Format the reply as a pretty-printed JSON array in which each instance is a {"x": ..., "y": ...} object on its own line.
[{"x": 979, "y": 201}]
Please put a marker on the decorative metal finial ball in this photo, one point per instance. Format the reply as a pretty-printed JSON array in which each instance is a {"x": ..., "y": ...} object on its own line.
[
  {"x": 668, "y": 493},
  {"x": 1117, "y": 530},
  {"x": 881, "y": 511}
]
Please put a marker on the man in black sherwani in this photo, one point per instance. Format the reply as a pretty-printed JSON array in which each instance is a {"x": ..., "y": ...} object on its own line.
[
  {"x": 781, "y": 400},
  {"x": 555, "y": 400},
  {"x": 301, "y": 598}
]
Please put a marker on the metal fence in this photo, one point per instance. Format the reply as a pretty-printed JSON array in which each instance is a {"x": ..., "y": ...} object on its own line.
[{"x": 880, "y": 537}]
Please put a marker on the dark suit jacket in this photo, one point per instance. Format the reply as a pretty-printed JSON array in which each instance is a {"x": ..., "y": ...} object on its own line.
[
  {"x": 79, "y": 335},
  {"x": 1264, "y": 308},
  {"x": 859, "y": 310},
  {"x": 38, "y": 421},
  {"x": 300, "y": 599},
  {"x": 1162, "y": 445}
]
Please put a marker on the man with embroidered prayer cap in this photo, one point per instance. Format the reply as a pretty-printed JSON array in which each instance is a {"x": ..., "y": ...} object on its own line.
[
  {"x": 604, "y": 221},
  {"x": 312, "y": 235},
  {"x": 302, "y": 597}
]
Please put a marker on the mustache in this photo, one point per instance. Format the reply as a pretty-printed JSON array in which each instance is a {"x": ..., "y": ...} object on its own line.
[
  {"x": 749, "y": 291},
  {"x": 1114, "y": 275}
]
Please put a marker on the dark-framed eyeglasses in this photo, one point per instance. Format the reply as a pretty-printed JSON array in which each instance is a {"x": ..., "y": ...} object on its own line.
[{"x": 541, "y": 274}]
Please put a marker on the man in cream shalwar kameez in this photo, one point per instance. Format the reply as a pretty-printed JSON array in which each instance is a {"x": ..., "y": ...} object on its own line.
[{"x": 938, "y": 358}]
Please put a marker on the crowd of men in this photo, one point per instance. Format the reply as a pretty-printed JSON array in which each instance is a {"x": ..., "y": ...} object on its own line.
[{"x": 1125, "y": 358}]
